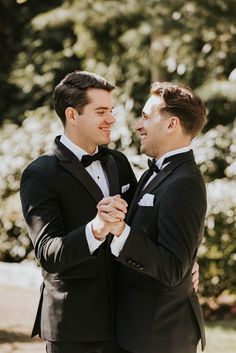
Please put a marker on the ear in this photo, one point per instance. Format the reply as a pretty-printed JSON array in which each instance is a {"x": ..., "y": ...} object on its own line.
[
  {"x": 173, "y": 124},
  {"x": 71, "y": 115}
]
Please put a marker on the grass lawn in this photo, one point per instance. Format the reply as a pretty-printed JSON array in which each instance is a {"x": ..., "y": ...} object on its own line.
[{"x": 221, "y": 337}]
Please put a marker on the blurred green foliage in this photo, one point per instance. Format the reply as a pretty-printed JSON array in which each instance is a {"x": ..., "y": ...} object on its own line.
[{"x": 132, "y": 43}]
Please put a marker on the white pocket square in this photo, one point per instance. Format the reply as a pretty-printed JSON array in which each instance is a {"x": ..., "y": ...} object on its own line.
[
  {"x": 124, "y": 188},
  {"x": 147, "y": 200}
]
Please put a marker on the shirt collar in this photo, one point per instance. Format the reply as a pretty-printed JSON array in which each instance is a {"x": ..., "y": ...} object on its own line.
[
  {"x": 160, "y": 161},
  {"x": 78, "y": 151}
]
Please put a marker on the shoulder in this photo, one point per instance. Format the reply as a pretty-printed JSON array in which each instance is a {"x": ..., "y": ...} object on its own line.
[
  {"x": 187, "y": 173},
  {"x": 184, "y": 188},
  {"x": 42, "y": 165}
]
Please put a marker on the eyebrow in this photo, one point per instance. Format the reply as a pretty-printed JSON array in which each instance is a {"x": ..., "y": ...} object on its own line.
[{"x": 100, "y": 108}]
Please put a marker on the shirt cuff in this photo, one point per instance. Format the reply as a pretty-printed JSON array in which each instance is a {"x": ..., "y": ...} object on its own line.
[
  {"x": 118, "y": 243},
  {"x": 93, "y": 243}
]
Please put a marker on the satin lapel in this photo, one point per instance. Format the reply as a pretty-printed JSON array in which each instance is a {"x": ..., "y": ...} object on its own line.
[
  {"x": 69, "y": 162},
  {"x": 78, "y": 171},
  {"x": 112, "y": 174},
  {"x": 134, "y": 202},
  {"x": 111, "y": 169},
  {"x": 163, "y": 174},
  {"x": 155, "y": 182}
]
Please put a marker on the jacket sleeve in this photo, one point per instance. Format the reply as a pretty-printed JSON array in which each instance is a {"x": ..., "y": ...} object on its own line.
[
  {"x": 55, "y": 250},
  {"x": 179, "y": 226}
]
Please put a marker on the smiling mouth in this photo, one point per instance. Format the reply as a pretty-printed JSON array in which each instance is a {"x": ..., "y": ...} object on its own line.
[{"x": 106, "y": 131}]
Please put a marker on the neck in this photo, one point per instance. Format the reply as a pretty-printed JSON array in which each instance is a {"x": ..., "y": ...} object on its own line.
[
  {"x": 85, "y": 145},
  {"x": 171, "y": 148}
]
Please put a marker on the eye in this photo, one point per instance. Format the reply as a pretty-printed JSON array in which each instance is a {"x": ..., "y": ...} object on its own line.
[
  {"x": 114, "y": 110},
  {"x": 101, "y": 112},
  {"x": 145, "y": 116}
]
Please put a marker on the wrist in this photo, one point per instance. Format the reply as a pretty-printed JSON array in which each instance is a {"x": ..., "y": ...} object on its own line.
[
  {"x": 98, "y": 235},
  {"x": 121, "y": 230}
]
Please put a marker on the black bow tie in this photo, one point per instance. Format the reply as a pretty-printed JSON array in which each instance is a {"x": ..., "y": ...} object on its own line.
[
  {"x": 152, "y": 166},
  {"x": 101, "y": 155}
]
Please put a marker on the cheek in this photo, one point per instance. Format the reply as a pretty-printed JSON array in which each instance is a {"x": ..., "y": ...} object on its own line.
[
  {"x": 79, "y": 125},
  {"x": 153, "y": 131},
  {"x": 90, "y": 124},
  {"x": 158, "y": 129}
]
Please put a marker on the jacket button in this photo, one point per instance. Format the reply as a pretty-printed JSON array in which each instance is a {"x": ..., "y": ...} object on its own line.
[
  {"x": 133, "y": 263},
  {"x": 129, "y": 261},
  {"x": 141, "y": 268},
  {"x": 138, "y": 265}
]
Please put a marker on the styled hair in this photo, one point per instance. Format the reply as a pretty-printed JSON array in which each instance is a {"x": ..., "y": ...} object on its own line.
[
  {"x": 72, "y": 91},
  {"x": 180, "y": 101}
]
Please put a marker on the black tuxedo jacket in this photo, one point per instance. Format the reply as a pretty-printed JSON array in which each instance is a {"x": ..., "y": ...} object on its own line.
[
  {"x": 59, "y": 198},
  {"x": 157, "y": 310}
]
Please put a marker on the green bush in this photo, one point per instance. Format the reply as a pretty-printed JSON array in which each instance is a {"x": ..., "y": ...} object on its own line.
[
  {"x": 133, "y": 44},
  {"x": 19, "y": 146}
]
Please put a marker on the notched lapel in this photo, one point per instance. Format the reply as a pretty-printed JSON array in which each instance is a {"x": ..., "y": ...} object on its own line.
[
  {"x": 155, "y": 182},
  {"x": 134, "y": 202},
  {"x": 112, "y": 174}
]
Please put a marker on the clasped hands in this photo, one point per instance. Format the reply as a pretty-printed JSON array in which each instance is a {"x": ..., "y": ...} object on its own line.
[{"x": 110, "y": 217}]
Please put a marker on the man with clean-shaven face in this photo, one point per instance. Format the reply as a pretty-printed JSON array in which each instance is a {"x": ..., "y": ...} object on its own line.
[{"x": 60, "y": 191}]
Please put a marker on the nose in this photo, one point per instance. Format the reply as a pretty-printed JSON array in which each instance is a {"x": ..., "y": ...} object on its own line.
[
  {"x": 110, "y": 119},
  {"x": 139, "y": 124}
]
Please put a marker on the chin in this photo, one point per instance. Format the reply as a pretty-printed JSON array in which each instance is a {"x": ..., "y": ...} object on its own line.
[
  {"x": 105, "y": 141},
  {"x": 147, "y": 153},
  {"x": 142, "y": 149}
]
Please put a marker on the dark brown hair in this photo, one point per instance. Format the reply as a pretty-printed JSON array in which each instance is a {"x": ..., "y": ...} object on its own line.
[
  {"x": 72, "y": 91},
  {"x": 180, "y": 101}
]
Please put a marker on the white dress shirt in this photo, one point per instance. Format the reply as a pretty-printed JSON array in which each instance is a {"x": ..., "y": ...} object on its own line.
[
  {"x": 94, "y": 169},
  {"x": 99, "y": 176},
  {"x": 118, "y": 243}
]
